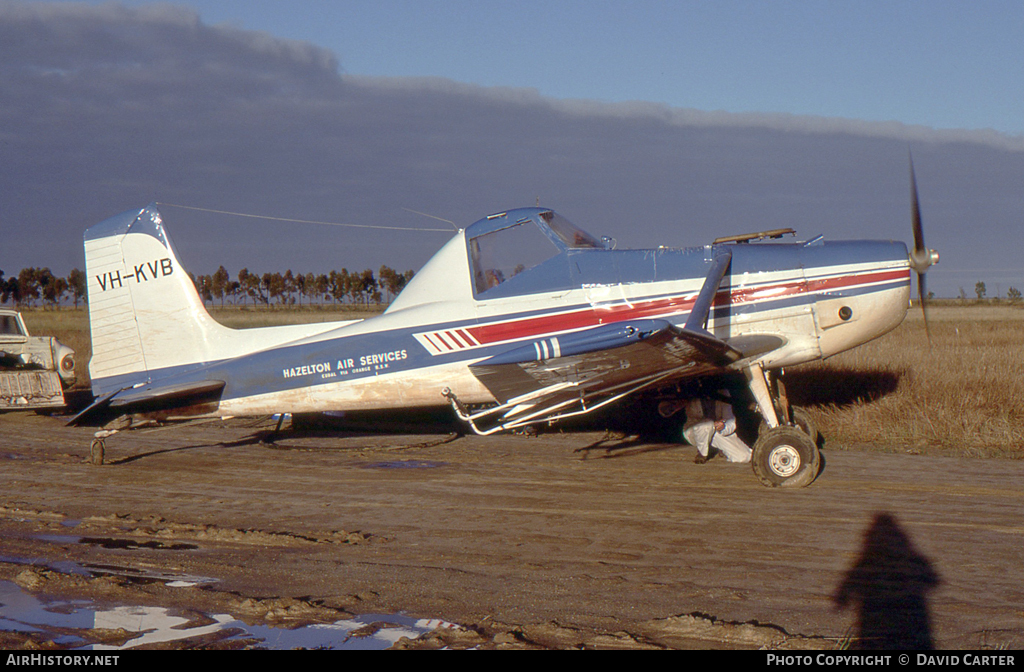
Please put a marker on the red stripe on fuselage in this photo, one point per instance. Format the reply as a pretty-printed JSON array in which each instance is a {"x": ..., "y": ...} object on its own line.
[
  {"x": 433, "y": 342},
  {"x": 594, "y": 316},
  {"x": 824, "y": 284},
  {"x": 457, "y": 337}
]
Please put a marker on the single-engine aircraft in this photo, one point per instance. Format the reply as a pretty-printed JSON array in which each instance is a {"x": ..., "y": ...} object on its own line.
[{"x": 521, "y": 318}]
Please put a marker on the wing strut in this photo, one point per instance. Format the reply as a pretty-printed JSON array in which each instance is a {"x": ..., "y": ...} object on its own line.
[
  {"x": 698, "y": 320},
  {"x": 520, "y": 412}
]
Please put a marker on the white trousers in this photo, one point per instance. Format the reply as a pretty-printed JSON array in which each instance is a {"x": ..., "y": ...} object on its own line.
[{"x": 701, "y": 434}]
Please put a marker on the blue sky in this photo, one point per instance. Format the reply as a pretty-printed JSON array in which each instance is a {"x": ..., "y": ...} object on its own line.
[
  {"x": 938, "y": 63},
  {"x": 654, "y": 123}
]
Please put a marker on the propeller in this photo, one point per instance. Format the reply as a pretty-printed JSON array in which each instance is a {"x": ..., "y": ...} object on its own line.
[{"x": 921, "y": 257}]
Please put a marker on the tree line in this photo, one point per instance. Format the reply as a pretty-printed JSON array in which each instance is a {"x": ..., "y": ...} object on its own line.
[
  {"x": 40, "y": 284},
  {"x": 1013, "y": 294},
  {"x": 35, "y": 286},
  {"x": 288, "y": 288}
]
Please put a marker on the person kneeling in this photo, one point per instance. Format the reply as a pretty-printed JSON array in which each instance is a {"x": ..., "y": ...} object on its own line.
[{"x": 712, "y": 424}]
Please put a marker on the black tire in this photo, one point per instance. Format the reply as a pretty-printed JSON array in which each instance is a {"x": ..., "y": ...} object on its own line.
[
  {"x": 801, "y": 420},
  {"x": 785, "y": 457}
]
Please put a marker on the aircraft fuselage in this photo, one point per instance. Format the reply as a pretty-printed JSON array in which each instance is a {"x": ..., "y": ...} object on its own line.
[
  {"x": 471, "y": 301},
  {"x": 823, "y": 300}
]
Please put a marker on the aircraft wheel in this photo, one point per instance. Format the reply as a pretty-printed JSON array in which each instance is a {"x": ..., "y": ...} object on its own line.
[
  {"x": 801, "y": 420},
  {"x": 785, "y": 457},
  {"x": 96, "y": 452}
]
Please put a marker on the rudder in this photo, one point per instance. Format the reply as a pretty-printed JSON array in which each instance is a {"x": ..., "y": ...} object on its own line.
[{"x": 145, "y": 315}]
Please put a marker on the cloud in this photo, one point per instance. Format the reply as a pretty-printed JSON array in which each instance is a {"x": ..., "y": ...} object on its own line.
[
  {"x": 108, "y": 108},
  {"x": 689, "y": 117},
  {"x": 70, "y": 35}
]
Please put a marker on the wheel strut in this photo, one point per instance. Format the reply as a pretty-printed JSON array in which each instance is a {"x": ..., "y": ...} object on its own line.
[
  {"x": 758, "y": 382},
  {"x": 786, "y": 451}
]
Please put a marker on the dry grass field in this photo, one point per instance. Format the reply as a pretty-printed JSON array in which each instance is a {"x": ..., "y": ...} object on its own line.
[{"x": 962, "y": 395}]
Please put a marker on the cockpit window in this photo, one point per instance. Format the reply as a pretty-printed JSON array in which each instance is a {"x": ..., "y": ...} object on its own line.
[
  {"x": 567, "y": 231},
  {"x": 501, "y": 255}
]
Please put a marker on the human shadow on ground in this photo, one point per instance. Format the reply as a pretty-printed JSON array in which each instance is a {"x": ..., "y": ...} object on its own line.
[{"x": 887, "y": 587}]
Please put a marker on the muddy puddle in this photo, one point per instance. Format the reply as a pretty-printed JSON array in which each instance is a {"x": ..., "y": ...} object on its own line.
[
  {"x": 95, "y": 570},
  {"x": 405, "y": 464},
  {"x": 87, "y": 625}
]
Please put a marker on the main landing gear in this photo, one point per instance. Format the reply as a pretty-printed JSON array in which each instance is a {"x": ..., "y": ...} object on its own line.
[{"x": 785, "y": 454}]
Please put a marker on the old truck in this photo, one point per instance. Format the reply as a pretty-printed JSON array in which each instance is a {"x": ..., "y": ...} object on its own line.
[{"x": 34, "y": 370}]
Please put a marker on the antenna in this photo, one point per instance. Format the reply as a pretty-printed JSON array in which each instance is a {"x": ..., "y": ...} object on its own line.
[{"x": 440, "y": 219}]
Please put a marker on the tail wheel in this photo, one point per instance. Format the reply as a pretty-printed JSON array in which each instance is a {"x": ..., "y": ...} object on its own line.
[
  {"x": 785, "y": 457},
  {"x": 96, "y": 452}
]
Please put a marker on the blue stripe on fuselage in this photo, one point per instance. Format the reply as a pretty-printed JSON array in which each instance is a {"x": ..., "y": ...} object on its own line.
[{"x": 369, "y": 354}]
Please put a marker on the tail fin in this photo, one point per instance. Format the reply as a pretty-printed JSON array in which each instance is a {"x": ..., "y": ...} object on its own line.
[{"x": 145, "y": 315}]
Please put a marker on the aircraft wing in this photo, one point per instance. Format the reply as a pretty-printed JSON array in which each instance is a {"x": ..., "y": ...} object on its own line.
[{"x": 609, "y": 359}]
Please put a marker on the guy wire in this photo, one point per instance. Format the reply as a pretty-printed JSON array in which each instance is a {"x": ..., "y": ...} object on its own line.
[{"x": 302, "y": 221}]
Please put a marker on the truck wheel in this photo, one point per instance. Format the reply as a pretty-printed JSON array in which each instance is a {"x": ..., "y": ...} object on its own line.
[{"x": 785, "y": 457}]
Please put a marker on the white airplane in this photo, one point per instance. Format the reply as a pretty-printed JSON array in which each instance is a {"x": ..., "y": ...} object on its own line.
[{"x": 521, "y": 318}]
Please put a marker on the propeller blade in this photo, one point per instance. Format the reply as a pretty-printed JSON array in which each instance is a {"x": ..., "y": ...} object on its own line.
[
  {"x": 921, "y": 258},
  {"x": 915, "y": 212}
]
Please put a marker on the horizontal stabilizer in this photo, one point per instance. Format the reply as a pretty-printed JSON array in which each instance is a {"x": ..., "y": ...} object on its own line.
[{"x": 148, "y": 398}]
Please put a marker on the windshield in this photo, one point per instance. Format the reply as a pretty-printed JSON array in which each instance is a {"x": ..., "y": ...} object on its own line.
[
  {"x": 501, "y": 255},
  {"x": 567, "y": 231}
]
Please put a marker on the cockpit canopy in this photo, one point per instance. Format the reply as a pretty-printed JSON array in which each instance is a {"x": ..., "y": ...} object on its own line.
[{"x": 504, "y": 245}]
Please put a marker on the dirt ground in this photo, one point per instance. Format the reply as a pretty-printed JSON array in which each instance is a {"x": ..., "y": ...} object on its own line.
[{"x": 562, "y": 540}]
